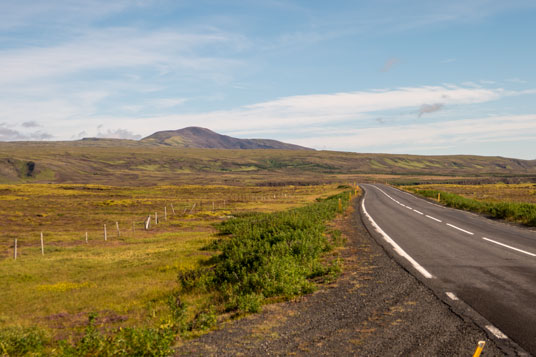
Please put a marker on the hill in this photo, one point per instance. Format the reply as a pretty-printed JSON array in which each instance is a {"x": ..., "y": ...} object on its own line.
[
  {"x": 196, "y": 137},
  {"x": 136, "y": 163}
]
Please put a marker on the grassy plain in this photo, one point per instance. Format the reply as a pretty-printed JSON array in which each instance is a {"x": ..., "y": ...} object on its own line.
[
  {"x": 513, "y": 202},
  {"x": 127, "y": 279}
]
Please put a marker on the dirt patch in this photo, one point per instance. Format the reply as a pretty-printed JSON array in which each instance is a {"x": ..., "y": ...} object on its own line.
[{"x": 374, "y": 308}]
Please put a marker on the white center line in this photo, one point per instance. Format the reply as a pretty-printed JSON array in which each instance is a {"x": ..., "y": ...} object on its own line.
[
  {"x": 419, "y": 212},
  {"x": 403, "y": 205},
  {"x": 460, "y": 229},
  {"x": 498, "y": 333},
  {"x": 452, "y": 296},
  {"x": 435, "y": 219},
  {"x": 395, "y": 246},
  {"x": 510, "y": 247},
  {"x": 408, "y": 207}
]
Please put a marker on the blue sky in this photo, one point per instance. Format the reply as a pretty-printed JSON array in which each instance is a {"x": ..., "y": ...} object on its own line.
[{"x": 419, "y": 77}]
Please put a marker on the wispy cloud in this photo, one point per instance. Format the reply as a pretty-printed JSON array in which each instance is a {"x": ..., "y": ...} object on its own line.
[
  {"x": 30, "y": 124},
  {"x": 430, "y": 108},
  {"x": 389, "y": 64},
  {"x": 118, "y": 134}
]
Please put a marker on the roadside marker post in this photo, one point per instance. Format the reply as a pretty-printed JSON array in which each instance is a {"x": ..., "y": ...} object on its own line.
[
  {"x": 86, "y": 237},
  {"x": 148, "y": 223},
  {"x": 105, "y": 234},
  {"x": 439, "y": 197},
  {"x": 165, "y": 213},
  {"x": 42, "y": 245},
  {"x": 117, "y": 226},
  {"x": 479, "y": 348}
]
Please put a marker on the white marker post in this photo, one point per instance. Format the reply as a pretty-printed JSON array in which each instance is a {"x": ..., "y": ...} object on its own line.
[
  {"x": 148, "y": 223},
  {"x": 105, "y": 234},
  {"x": 156, "y": 218},
  {"x": 165, "y": 213},
  {"x": 117, "y": 226},
  {"x": 42, "y": 245},
  {"x": 86, "y": 237}
]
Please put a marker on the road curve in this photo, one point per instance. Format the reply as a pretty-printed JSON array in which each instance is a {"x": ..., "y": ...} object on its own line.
[{"x": 489, "y": 265}]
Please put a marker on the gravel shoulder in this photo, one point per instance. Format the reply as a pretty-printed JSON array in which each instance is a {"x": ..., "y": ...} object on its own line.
[{"x": 374, "y": 308}]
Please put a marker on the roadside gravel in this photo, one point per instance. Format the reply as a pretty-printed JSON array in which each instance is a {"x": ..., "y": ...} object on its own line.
[{"x": 374, "y": 308}]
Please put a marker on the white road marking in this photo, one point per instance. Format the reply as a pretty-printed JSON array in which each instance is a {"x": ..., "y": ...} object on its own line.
[
  {"x": 496, "y": 332},
  {"x": 510, "y": 247},
  {"x": 419, "y": 212},
  {"x": 395, "y": 246},
  {"x": 408, "y": 207},
  {"x": 435, "y": 219},
  {"x": 452, "y": 296},
  {"x": 403, "y": 205},
  {"x": 460, "y": 229}
]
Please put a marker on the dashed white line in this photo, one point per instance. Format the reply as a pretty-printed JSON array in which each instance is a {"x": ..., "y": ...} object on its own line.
[
  {"x": 403, "y": 205},
  {"x": 496, "y": 332},
  {"x": 395, "y": 246},
  {"x": 452, "y": 296},
  {"x": 435, "y": 219},
  {"x": 460, "y": 229},
  {"x": 419, "y": 212},
  {"x": 509, "y": 247}
]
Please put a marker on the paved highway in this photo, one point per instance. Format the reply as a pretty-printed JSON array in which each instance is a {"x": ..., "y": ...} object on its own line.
[{"x": 489, "y": 265}]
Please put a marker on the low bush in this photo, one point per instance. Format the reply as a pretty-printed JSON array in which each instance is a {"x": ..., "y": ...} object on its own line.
[
  {"x": 269, "y": 255},
  {"x": 519, "y": 212}
]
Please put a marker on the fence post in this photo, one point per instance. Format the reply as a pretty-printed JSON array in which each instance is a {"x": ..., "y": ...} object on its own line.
[
  {"x": 118, "y": 232},
  {"x": 15, "y": 249},
  {"x": 156, "y": 218},
  {"x": 42, "y": 245},
  {"x": 86, "y": 237},
  {"x": 165, "y": 213},
  {"x": 148, "y": 223},
  {"x": 105, "y": 234},
  {"x": 172, "y": 209}
]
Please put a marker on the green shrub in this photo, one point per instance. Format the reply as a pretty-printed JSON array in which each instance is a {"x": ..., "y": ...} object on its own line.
[
  {"x": 269, "y": 255},
  {"x": 524, "y": 213},
  {"x": 124, "y": 342},
  {"x": 18, "y": 341}
]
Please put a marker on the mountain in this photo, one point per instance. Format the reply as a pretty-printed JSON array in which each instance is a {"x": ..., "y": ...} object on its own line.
[{"x": 201, "y": 138}]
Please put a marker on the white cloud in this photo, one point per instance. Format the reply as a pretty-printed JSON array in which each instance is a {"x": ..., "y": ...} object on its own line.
[
  {"x": 118, "y": 134},
  {"x": 407, "y": 138}
]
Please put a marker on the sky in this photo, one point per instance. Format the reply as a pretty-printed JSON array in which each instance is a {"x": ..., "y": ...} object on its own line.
[{"x": 413, "y": 77}]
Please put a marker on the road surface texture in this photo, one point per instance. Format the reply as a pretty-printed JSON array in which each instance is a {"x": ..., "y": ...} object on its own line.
[
  {"x": 486, "y": 264},
  {"x": 375, "y": 308}
]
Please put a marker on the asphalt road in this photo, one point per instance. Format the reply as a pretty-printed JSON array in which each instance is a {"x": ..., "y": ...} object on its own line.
[{"x": 488, "y": 265}]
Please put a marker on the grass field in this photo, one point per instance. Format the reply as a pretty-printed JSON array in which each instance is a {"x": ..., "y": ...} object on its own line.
[
  {"x": 513, "y": 202},
  {"x": 128, "y": 279}
]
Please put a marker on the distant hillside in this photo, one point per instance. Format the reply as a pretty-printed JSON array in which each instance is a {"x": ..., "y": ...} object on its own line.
[
  {"x": 201, "y": 138},
  {"x": 129, "y": 162}
]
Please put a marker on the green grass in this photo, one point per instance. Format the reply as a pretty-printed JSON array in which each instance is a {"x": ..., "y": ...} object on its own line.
[{"x": 520, "y": 212}]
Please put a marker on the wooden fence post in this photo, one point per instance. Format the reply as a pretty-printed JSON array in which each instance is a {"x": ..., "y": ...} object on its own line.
[
  {"x": 42, "y": 245},
  {"x": 148, "y": 223},
  {"x": 118, "y": 232},
  {"x": 86, "y": 237},
  {"x": 156, "y": 218},
  {"x": 165, "y": 213},
  {"x": 105, "y": 234}
]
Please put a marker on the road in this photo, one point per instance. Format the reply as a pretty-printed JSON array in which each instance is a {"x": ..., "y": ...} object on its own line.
[{"x": 489, "y": 265}]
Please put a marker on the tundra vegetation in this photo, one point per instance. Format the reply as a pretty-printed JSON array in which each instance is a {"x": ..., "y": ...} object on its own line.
[
  {"x": 221, "y": 251},
  {"x": 512, "y": 202}
]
